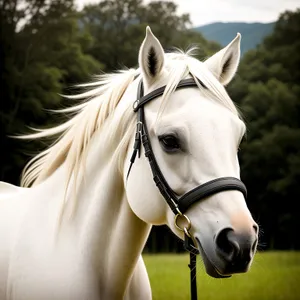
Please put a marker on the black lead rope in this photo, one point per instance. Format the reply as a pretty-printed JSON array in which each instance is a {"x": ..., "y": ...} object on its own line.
[
  {"x": 192, "y": 265},
  {"x": 177, "y": 205},
  {"x": 193, "y": 272}
]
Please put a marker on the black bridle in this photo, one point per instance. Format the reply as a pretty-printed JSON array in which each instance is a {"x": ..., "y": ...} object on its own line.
[{"x": 178, "y": 205}]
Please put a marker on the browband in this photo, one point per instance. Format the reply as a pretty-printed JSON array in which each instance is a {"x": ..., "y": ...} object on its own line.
[{"x": 142, "y": 100}]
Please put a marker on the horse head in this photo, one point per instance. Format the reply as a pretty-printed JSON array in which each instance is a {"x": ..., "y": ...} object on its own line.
[{"x": 194, "y": 135}]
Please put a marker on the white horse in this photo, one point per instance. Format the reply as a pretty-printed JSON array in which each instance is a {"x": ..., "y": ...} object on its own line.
[{"x": 79, "y": 230}]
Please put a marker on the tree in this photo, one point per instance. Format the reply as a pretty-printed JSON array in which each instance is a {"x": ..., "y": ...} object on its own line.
[
  {"x": 41, "y": 54},
  {"x": 118, "y": 27}
]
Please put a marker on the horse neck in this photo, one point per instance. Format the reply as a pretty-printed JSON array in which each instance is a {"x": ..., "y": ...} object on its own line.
[
  {"x": 110, "y": 231},
  {"x": 110, "y": 235}
]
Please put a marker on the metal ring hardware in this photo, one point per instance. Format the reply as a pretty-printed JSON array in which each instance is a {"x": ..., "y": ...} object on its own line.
[
  {"x": 187, "y": 233},
  {"x": 135, "y": 104},
  {"x": 186, "y": 220}
]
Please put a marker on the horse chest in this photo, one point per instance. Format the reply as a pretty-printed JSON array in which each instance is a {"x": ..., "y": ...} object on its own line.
[
  {"x": 39, "y": 269},
  {"x": 54, "y": 277}
]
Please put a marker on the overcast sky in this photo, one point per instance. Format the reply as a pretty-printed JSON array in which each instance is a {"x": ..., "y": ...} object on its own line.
[{"x": 205, "y": 12}]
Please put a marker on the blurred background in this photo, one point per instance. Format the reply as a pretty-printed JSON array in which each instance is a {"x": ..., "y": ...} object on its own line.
[{"x": 47, "y": 47}]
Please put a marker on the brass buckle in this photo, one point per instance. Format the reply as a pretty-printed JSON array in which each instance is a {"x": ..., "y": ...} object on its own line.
[{"x": 186, "y": 221}]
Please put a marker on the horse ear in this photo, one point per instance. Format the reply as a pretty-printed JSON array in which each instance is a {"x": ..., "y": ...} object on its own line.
[
  {"x": 224, "y": 63},
  {"x": 151, "y": 56}
]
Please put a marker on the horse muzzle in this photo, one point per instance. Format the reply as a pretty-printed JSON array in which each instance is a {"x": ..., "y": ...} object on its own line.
[{"x": 234, "y": 251}]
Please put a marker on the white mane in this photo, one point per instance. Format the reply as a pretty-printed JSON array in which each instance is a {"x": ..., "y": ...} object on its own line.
[{"x": 98, "y": 104}]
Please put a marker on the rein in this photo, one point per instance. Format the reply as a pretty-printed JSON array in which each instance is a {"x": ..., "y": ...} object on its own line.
[{"x": 178, "y": 205}]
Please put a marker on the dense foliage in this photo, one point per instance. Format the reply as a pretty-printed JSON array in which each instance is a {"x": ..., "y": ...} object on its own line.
[
  {"x": 118, "y": 27},
  {"x": 42, "y": 52},
  {"x": 46, "y": 47}
]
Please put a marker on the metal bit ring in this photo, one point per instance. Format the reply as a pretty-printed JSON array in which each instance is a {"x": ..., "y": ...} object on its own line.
[{"x": 186, "y": 228}]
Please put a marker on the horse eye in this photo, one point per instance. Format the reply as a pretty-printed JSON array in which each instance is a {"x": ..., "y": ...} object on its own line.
[{"x": 169, "y": 143}]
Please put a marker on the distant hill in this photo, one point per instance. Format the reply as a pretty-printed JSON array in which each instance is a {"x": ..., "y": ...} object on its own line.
[{"x": 223, "y": 33}]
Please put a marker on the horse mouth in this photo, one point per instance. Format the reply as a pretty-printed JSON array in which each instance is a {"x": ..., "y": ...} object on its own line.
[{"x": 210, "y": 268}]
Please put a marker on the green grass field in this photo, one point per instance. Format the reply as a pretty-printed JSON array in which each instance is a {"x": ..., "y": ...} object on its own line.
[{"x": 273, "y": 276}]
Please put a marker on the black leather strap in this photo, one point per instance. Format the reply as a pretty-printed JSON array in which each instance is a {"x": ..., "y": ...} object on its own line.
[
  {"x": 193, "y": 275},
  {"x": 209, "y": 188},
  {"x": 142, "y": 100},
  {"x": 158, "y": 177}
]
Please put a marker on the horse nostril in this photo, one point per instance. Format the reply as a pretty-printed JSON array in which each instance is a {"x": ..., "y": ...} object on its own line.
[
  {"x": 227, "y": 245},
  {"x": 236, "y": 248},
  {"x": 255, "y": 227}
]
